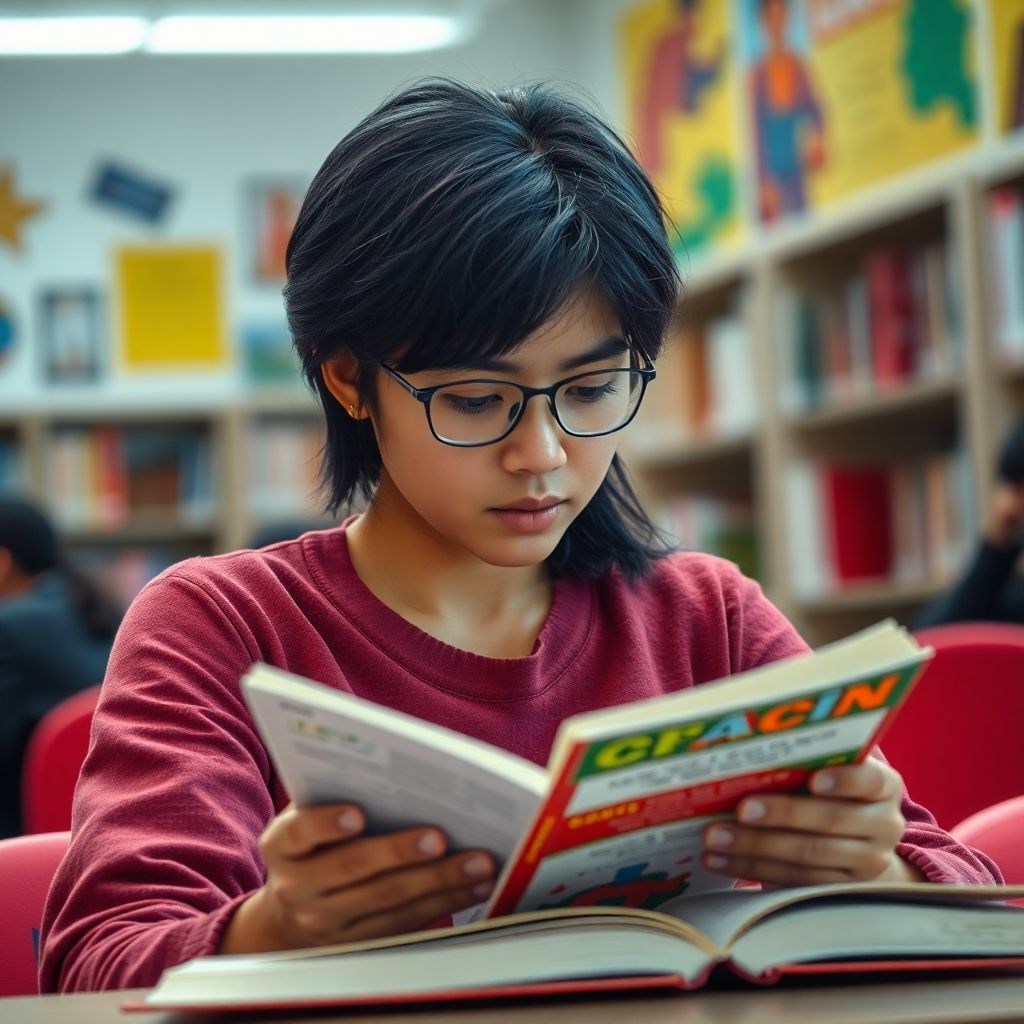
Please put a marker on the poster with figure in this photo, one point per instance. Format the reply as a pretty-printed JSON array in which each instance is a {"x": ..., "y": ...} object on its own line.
[
  {"x": 843, "y": 96},
  {"x": 1006, "y": 21},
  {"x": 69, "y": 329},
  {"x": 682, "y": 114},
  {"x": 273, "y": 206}
]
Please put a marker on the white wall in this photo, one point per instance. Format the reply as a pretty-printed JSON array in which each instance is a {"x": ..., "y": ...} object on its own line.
[{"x": 205, "y": 125}]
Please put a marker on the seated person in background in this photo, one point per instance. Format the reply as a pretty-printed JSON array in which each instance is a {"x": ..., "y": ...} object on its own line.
[
  {"x": 56, "y": 631},
  {"x": 478, "y": 284},
  {"x": 992, "y": 590}
]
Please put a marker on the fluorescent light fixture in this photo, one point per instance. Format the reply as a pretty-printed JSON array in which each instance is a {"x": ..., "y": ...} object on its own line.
[
  {"x": 63, "y": 36},
  {"x": 303, "y": 34}
]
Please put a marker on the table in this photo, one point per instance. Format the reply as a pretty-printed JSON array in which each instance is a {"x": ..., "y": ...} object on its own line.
[{"x": 944, "y": 1000}]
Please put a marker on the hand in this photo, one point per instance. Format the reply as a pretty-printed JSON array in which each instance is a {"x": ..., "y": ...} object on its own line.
[
  {"x": 326, "y": 883},
  {"x": 1006, "y": 522},
  {"x": 846, "y": 831}
]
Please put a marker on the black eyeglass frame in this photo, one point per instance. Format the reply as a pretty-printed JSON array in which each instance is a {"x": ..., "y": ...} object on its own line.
[{"x": 647, "y": 374}]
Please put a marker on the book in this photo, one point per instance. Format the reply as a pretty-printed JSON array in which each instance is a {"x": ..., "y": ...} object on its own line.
[
  {"x": 618, "y": 814},
  {"x": 758, "y": 936}
]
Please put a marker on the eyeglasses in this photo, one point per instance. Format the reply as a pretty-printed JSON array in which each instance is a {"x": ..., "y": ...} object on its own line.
[{"x": 473, "y": 413}]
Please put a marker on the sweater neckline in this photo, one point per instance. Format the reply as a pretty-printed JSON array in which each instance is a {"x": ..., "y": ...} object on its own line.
[{"x": 559, "y": 642}]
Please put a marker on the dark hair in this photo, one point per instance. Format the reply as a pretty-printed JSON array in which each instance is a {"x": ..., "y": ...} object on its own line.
[
  {"x": 34, "y": 546},
  {"x": 449, "y": 225},
  {"x": 1010, "y": 467}
]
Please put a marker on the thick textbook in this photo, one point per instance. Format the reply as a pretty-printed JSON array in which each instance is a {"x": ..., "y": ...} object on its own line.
[
  {"x": 617, "y": 816},
  {"x": 760, "y": 936}
]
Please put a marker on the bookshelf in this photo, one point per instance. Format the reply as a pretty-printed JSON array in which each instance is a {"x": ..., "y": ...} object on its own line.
[{"x": 913, "y": 420}]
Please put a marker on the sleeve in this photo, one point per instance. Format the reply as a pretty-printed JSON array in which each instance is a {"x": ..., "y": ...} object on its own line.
[
  {"x": 978, "y": 597},
  {"x": 173, "y": 796},
  {"x": 762, "y": 634}
]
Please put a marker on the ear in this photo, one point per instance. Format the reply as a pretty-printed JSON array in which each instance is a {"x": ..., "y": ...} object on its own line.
[{"x": 340, "y": 374}]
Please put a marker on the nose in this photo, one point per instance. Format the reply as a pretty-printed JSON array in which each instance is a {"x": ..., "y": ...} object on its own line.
[{"x": 535, "y": 445}]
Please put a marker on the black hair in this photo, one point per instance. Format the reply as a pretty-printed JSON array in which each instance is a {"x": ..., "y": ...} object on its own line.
[
  {"x": 29, "y": 536},
  {"x": 449, "y": 225},
  {"x": 1010, "y": 467}
]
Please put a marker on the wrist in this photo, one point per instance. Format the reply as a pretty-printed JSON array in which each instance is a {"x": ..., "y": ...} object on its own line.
[
  {"x": 251, "y": 929},
  {"x": 901, "y": 870}
]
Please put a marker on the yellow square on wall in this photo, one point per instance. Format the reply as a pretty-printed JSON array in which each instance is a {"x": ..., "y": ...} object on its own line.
[{"x": 171, "y": 307}]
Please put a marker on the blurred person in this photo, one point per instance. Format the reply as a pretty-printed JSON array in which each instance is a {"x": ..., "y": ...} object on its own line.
[
  {"x": 56, "y": 631},
  {"x": 992, "y": 590}
]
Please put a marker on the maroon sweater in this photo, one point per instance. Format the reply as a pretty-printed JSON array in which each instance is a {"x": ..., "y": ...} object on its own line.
[{"x": 177, "y": 786}]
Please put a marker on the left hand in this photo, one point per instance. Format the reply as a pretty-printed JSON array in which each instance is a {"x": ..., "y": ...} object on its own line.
[{"x": 846, "y": 830}]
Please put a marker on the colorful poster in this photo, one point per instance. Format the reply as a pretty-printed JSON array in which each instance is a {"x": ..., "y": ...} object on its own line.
[
  {"x": 171, "y": 306},
  {"x": 1006, "y": 20},
  {"x": 682, "y": 106},
  {"x": 273, "y": 207},
  {"x": 70, "y": 334},
  {"x": 842, "y": 96}
]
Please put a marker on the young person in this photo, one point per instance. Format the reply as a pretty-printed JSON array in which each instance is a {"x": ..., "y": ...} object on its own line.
[
  {"x": 478, "y": 285},
  {"x": 56, "y": 629}
]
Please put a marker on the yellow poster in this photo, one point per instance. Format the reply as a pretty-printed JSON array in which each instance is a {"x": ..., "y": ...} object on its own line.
[
  {"x": 1006, "y": 18},
  {"x": 171, "y": 307},
  {"x": 845, "y": 95},
  {"x": 682, "y": 112}
]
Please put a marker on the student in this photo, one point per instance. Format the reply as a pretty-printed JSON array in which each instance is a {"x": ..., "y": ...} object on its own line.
[
  {"x": 991, "y": 590},
  {"x": 478, "y": 284},
  {"x": 56, "y": 628}
]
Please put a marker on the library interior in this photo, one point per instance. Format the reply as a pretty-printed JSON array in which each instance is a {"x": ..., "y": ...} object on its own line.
[{"x": 839, "y": 406}]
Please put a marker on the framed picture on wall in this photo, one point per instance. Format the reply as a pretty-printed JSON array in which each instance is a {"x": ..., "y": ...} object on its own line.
[
  {"x": 70, "y": 330},
  {"x": 272, "y": 205}
]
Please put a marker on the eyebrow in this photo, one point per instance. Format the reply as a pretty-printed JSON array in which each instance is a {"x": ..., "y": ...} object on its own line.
[{"x": 611, "y": 346}]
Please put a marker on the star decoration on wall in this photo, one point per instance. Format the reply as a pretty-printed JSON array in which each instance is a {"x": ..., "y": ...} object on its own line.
[{"x": 14, "y": 211}]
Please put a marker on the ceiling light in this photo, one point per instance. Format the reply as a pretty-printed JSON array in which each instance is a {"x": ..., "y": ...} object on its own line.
[
  {"x": 63, "y": 36},
  {"x": 303, "y": 34}
]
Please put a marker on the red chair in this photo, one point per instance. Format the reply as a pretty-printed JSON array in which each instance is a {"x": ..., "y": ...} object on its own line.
[
  {"x": 958, "y": 739},
  {"x": 999, "y": 832},
  {"x": 27, "y": 864},
  {"x": 53, "y": 759}
]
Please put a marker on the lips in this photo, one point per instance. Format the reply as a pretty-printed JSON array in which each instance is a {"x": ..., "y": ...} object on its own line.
[{"x": 531, "y": 504}]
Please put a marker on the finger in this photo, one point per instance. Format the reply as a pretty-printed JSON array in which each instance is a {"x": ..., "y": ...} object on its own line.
[
  {"x": 805, "y": 849},
  {"x": 769, "y": 872},
  {"x": 365, "y": 857},
  {"x": 413, "y": 916},
  {"x": 834, "y": 817},
  {"x": 391, "y": 891},
  {"x": 299, "y": 831},
  {"x": 870, "y": 782}
]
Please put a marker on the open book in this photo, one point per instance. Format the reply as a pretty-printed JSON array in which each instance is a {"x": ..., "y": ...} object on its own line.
[
  {"x": 617, "y": 816},
  {"x": 760, "y": 936}
]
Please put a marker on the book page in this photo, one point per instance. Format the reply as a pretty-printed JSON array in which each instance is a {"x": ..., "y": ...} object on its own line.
[{"x": 330, "y": 747}]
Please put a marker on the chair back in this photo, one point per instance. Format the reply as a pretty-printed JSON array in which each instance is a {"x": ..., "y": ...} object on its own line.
[
  {"x": 27, "y": 865},
  {"x": 999, "y": 832},
  {"x": 53, "y": 760},
  {"x": 957, "y": 740}
]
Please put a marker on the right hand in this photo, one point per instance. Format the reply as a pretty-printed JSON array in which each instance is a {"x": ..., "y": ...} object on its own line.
[
  {"x": 1006, "y": 522},
  {"x": 327, "y": 883}
]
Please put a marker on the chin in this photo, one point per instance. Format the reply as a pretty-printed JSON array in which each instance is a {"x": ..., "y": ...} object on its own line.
[{"x": 519, "y": 554}]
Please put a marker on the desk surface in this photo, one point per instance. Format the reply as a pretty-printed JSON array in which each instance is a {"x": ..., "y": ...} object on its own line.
[{"x": 903, "y": 1002}]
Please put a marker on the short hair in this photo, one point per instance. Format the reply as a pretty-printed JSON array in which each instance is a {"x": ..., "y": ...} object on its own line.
[
  {"x": 1010, "y": 467},
  {"x": 28, "y": 535},
  {"x": 444, "y": 229}
]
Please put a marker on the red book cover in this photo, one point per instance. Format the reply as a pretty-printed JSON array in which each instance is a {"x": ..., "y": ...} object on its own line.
[
  {"x": 891, "y": 305},
  {"x": 858, "y": 514}
]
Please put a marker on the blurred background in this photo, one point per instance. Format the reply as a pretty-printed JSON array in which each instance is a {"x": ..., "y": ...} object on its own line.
[{"x": 845, "y": 182}]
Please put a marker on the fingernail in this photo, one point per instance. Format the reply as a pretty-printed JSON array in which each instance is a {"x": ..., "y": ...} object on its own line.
[
  {"x": 720, "y": 837},
  {"x": 477, "y": 867},
  {"x": 823, "y": 783},
  {"x": 349, "y": 821},
  {"x": 482, "y": 890},
  {"x": 753, "y": 810},
  {"x": 431, "y": 844},
  {"x": 716, "y": 861}
]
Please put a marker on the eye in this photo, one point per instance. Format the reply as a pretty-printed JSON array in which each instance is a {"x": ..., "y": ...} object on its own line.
[
  {"x": 470, "y": 405},
  {"x": 584, "y": 392}
]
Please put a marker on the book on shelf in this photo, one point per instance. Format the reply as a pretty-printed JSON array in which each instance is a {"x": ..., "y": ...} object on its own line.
[
  {"x": 726, "y": 527},
  {"x": 618, "y": 812},
  {"x": 761, "y": 937},
  {"x": 283, "y": 462},
  {"x": 1006, "y": 231}
]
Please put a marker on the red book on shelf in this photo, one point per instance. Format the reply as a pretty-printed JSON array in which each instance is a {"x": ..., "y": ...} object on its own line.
[
  {"x": 858, "y": 516},
  {"x": 891, "y": 305}
]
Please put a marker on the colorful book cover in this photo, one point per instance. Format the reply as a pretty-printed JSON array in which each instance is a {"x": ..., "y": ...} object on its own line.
[{"x": 623, "y": 818}]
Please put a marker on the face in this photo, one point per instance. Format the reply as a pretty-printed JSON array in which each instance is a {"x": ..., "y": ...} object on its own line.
[{"x": 507, "y": 503}]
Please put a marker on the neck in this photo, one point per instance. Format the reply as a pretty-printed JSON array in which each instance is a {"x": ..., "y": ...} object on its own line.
[{"x": 421, "y": 575}]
